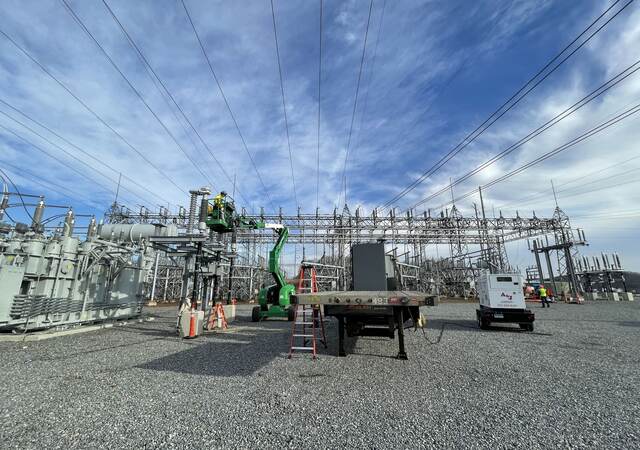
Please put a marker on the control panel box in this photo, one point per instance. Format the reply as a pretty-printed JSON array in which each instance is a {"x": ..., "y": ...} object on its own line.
[{"x": 501, "y": 291}]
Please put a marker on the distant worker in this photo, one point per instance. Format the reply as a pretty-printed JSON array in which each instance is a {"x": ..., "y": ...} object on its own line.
[
  {"x": 218, "y": 200},
  {"x": 543, "y": 296}
]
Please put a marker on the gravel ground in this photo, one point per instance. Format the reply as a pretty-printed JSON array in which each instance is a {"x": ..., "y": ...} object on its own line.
[{"x": 571, "y": 383}]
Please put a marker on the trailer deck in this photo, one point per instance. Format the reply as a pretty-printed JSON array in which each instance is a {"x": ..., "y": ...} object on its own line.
[{"x": 369, "y": 313}]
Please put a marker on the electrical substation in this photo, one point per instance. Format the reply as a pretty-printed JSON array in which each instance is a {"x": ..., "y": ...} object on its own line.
[{"x": 187, "y": 280}]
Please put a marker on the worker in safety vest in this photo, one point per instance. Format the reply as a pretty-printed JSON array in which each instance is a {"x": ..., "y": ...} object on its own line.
[
  {"x": 543, "y": 296},
  {"x": 218, "y": 200}
]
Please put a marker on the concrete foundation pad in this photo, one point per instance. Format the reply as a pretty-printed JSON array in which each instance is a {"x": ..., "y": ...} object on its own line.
[{"x": 34, "y": 336}]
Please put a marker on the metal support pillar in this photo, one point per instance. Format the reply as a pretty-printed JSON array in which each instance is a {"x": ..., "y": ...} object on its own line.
[
  {"x": 538, "y": 265},
  {"x": 550, "y": 269}
]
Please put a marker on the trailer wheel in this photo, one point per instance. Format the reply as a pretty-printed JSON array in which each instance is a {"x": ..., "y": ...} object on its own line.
[
  {"x": 255, "y": 314},
  {"x": 291, "y": 313},
  {"x": 526, "y": 326},
  {"x": 483, "y": 323}
]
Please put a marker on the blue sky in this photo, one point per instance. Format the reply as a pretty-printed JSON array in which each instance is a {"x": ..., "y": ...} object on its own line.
[{"x": 433, "y": 71}]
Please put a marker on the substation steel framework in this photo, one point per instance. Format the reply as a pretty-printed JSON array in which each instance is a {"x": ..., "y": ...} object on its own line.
[{"x": 326, "y": 238}]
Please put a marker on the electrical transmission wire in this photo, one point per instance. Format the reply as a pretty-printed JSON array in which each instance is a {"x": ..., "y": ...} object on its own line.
[
  {"x": 226, "y": 102},
  {"x": 542, "y": 194},
  {"x": 60, "y": 161},
  {"x": 609, "y": 84},
  {"x": 70, "y": 155},
  {"x": 165, "y": 92},
  {"x": 355, "y": 105},
  {"x": 81, "y": 24},
  {"x": 4, "y": 174},
  {"x": 284, "y": 105},
  {"x": 574, "y": 193},
  {"x": 21, "y": 171},
  {"x": 586, "y": 135},
  {"x": 81, "y": 150},
  {"x": 365, "y": 103},
  {"x": 319, "y": 104},
  {"x": 533, "y": 82},
  {"x": 91, "y": 111}
]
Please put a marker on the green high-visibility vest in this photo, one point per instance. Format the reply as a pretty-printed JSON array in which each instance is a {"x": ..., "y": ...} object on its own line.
[{"x": 543, "y": 292}]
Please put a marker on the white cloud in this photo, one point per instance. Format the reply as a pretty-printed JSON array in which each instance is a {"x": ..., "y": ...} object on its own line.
[{"x": 411, "y": 117}]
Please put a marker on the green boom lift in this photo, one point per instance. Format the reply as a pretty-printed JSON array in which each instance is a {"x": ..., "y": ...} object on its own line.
[{"x": 274, "y": 300}]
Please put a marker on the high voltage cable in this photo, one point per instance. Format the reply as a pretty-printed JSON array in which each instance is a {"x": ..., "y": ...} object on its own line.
[
  {"x": 319, "y": 99},
  {"x": 20, "y": 171},
  {"x": 61, "y": 162},
  {"x": 284, "y": 105},
  {"x": 92, "y": 112},
  {"x": 579, "y": 190},
  {"x": 4, "y": 174},
  {"x": 581, "y": 177},
  {"x": 575, "y": 191},
  {"x": 168, "y": 93},
  {"x": 607, "y": 214},
  {"x": 84, "y": 152},
  {"x": 80, "y": 23},
  {"x": 510, "y": 103},
  {"x": 226, "y": 102},
  {"x": 595, "y": 130},
  {"x": 72, "y": 156},
  {"x": 371, "y": 73},
  {"x": 355, "y": 104},
  {"x": 630, "y": 70}
]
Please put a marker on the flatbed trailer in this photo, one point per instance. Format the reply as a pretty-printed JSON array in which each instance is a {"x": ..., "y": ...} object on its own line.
[{"x": 369, "y": 313}]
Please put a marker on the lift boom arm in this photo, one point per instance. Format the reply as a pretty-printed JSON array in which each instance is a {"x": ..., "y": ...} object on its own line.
[{"x": 274, "y": 255}]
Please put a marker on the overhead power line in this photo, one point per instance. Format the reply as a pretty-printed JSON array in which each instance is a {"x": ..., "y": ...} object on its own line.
[
  {"x": 284, "y": 105},
  {"x": 84, "y": 28},
  {"x": 70, "y": 155},
  {"x": 365, "y": 103},
  {"x": 58, "y": 160},
  {"x": 226, "y": 102},
  {"x": 592, "y": 132},
  {"x": 541, "y": 194},
  {"x": 157, "y": 80},
  {"x": 574, "y": 192},
  {"x": 92, "y": 112},
  {"x": 38, "y": 179},
  {"x": 355, "y": 104},
  {"x": 319, "y": 103},
  {"x": 623, "y": 75},
  {"x": 533, "y": 82},
  {"x": 81, "y": 150},
  {"x": 8, "y": 178}
]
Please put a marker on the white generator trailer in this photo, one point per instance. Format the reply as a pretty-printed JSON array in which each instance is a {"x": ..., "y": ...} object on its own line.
[{"x": 502, "y": 300}]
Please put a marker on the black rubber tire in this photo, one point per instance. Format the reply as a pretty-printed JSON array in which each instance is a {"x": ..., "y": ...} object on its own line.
[
  {"x": 483, "y": 323},
  {"x": 255, "y": 314},
  {"x": 526, "y": 326},
  {"x": 291, "y": 313}
]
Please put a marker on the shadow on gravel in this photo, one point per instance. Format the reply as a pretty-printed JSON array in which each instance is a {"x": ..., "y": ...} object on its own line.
[{"x": 227, "y": 354}]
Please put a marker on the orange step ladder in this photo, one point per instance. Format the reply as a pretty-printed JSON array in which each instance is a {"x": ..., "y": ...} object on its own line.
[
  {"x": 307, "y": 319},
  {"x": 312, "y": 278}
]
